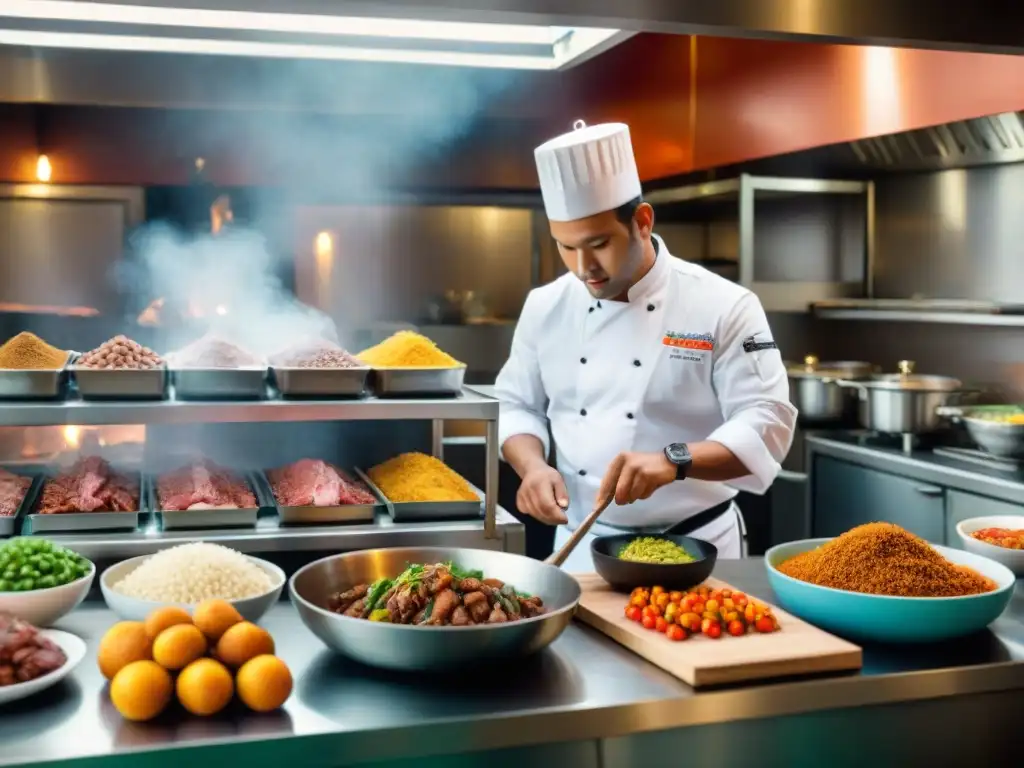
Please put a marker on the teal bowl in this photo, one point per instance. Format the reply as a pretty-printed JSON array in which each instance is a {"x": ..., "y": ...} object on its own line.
[{"x": 886, "y": 619}]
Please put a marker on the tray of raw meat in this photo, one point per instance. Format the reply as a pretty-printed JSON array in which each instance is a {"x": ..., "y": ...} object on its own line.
[
  {"x": 203, "y": 494},
  {"x": 89, "y": 496},
  {"x": 15, "y": 496},
  {"x": 314, "y": 491}
]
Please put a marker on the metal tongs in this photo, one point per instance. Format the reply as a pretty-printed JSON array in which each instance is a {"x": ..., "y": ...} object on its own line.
[{"x": 560, "y": 556}]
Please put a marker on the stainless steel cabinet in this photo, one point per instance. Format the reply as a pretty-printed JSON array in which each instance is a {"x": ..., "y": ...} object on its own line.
[
  {"x": 962, "y": 506},
  {"x": 846, "y": 495}
]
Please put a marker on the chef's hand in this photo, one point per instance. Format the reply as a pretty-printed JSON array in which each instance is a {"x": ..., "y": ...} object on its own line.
[
  {"x": 633, "y": 476},
  {"x": 542, "y": 495}
]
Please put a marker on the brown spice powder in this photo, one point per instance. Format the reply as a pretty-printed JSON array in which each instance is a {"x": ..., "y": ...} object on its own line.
[
  {"x": 884, "y": 559},
  {"x": 26, "y": 352}
]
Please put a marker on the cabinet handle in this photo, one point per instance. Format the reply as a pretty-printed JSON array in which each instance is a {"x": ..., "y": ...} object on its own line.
[{"x": 929, "y": 490}]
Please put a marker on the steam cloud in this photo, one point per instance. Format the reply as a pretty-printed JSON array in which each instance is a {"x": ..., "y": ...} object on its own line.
[
  {"x": 421, "y": 112},
  {"x": 230, "y": 279}
]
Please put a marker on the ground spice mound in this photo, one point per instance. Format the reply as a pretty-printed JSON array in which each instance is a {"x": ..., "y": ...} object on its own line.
[
  {"x": 406, "y": 349},
  {"x": 884, "y": 559},
  {"x": 27, "y": 352},
  {"x": 418, "y": 477}
]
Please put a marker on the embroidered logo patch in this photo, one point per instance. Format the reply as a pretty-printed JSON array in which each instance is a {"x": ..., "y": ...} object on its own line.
[
  {"x": 751, "y": 344},
  {"x": 703, "y": 342}
]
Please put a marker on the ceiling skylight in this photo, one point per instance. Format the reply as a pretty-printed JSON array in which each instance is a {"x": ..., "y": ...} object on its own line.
[{"x": 163, "y": 29}]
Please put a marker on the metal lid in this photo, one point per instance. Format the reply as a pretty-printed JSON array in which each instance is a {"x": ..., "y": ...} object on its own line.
[
  {"x": 811, "y": 368},
  {"x": 906, "y": 379}
]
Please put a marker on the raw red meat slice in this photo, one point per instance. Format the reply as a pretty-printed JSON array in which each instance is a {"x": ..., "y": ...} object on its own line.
[
  {"x": 312, "y": 482},
  {"x": 203, "y": 485},
  {"x": 91, "y": 485},
  {"x": 12, "y": 491}
]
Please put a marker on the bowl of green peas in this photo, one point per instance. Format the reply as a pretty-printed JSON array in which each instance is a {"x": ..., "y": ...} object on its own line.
[{"x": 40, "y": 582}]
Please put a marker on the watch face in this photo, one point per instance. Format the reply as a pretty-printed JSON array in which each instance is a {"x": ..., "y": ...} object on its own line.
[{"x": 678, "y": 453}]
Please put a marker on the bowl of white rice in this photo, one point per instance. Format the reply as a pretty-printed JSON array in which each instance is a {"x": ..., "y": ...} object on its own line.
[{"x": 188, "y": 574}]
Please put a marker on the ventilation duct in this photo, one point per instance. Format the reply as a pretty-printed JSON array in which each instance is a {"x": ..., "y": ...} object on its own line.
[{"x": 965, "y": 143}]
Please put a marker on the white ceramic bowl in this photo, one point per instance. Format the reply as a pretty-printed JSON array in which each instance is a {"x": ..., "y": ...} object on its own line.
[
  {"x": 74, "y": 648},
  {"x": 134, "y": 609},
  {"x": 1011, "y": 558},
  {"x": 43, "y": 607}
]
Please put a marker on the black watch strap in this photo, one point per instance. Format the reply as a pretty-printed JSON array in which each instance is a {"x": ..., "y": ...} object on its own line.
[{"x": 679, "y": 455}]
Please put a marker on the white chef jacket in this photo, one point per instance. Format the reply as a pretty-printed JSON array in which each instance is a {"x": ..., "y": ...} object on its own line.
[{"x": 688, "y": 358}]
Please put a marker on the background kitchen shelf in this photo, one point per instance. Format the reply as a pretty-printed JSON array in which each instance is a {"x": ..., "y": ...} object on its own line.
[
  {"x": 912, "y": 316},
  {"x": 469, "y": 405},
  {"x": 789, "y": 294}
]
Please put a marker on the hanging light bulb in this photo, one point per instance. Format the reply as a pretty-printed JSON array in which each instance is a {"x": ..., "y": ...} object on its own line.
[{"x": 43, "y": 169}]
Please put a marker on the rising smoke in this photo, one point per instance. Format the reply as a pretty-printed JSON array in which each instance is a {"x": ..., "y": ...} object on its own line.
[{"x": 402, "y": 119}]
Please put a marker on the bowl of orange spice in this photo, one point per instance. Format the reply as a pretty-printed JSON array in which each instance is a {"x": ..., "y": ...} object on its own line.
[
  {"x": 881, "y": 583},
  {"x": 1000, "y": 537}
]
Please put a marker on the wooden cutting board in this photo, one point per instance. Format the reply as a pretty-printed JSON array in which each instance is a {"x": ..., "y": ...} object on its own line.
[{"x": 797, "y": 648}]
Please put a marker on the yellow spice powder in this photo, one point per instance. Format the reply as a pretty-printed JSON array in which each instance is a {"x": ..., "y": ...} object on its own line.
[
  {"x": 406, "y": 349},
  {"x": 418, "y": 477},
  {"x": 27, "y": 352}
]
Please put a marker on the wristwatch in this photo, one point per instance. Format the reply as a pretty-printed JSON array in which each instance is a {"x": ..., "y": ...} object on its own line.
[{"x": 679, "y": 455}]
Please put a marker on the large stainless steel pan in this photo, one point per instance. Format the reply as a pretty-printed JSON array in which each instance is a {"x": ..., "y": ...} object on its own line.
[
  {"x": 998, "y": 429},
  {"x": 434, "y": 649},
  {"x": 814, "y": 390},
  {"x": 904, "y": 402}
]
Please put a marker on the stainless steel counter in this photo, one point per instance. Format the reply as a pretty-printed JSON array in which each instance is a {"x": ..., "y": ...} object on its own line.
[
  {"x": 584, "y": 702},
  {"x": 922, "y": 465}
]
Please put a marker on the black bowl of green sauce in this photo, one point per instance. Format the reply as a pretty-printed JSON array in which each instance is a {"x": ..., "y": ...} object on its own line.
[{"x": 624, "y": 575}]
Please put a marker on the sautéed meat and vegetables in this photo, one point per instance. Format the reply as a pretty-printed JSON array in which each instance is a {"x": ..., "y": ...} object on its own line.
[{"x": 439, "y": 594}]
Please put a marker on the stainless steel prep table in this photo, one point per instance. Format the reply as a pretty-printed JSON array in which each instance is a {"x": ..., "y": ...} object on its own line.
[{"x": 584, "y": 703}]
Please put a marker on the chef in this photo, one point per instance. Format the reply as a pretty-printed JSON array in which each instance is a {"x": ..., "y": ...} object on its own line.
[{"x": 659, "y": 381}]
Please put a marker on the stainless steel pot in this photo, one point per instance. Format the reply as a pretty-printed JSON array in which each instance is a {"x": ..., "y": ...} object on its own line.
[
  {"x": 417, "y": 648},
  {"x": 904, "y": 402},
  {"x": 998, "y": 429},
  {"x": 814, "y": 390}
]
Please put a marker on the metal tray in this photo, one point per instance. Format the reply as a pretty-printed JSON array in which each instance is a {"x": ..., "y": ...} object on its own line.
[
  {"x": 418, "y": 381},
  {"x": 210, "y": 383},
  {"x": 426, "y": 511},
  {"x": 345, "y": 513},
  {"x": 199, "y": 519},
  {"x": 35, "y": 384},
  {"x": 11, "y": 526},
  {"x": 81, "y": 522},
  {"x": 121, "y": 384},
  {"x": 321, "y": 382}
]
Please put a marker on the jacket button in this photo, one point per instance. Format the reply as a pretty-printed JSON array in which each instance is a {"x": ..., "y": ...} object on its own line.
[
  {"x": 599, "y": 305},
  {"x": 590, "y": 310},
  {"x": 583, "y": 472},
  {"x": 650, "y": 307},
  {"x": 636, "y": 363},
  {"x": 583, "y": 411},
  {"x": 583, "y": 360},
  {"x": 629, "y": 415}
]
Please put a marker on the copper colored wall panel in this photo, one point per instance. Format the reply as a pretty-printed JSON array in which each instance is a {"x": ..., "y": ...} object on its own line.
[{"x": 761, "y": 98}]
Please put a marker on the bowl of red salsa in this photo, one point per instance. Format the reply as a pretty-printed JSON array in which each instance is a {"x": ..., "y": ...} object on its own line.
[{"x": 998, "y": 537}]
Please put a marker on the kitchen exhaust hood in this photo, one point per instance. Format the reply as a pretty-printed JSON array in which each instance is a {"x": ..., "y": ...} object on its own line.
[
  {"x": 979, "y": 141},
  {"x": 164, "y": 28}
]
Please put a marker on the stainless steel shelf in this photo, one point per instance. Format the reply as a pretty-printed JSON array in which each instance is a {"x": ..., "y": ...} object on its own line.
[
  {"x": 269, "y": 536},
  {"x": 912, "y": 316},
  {"x": 768, "y": 186},
  {"x": 469, "y": 405}
]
